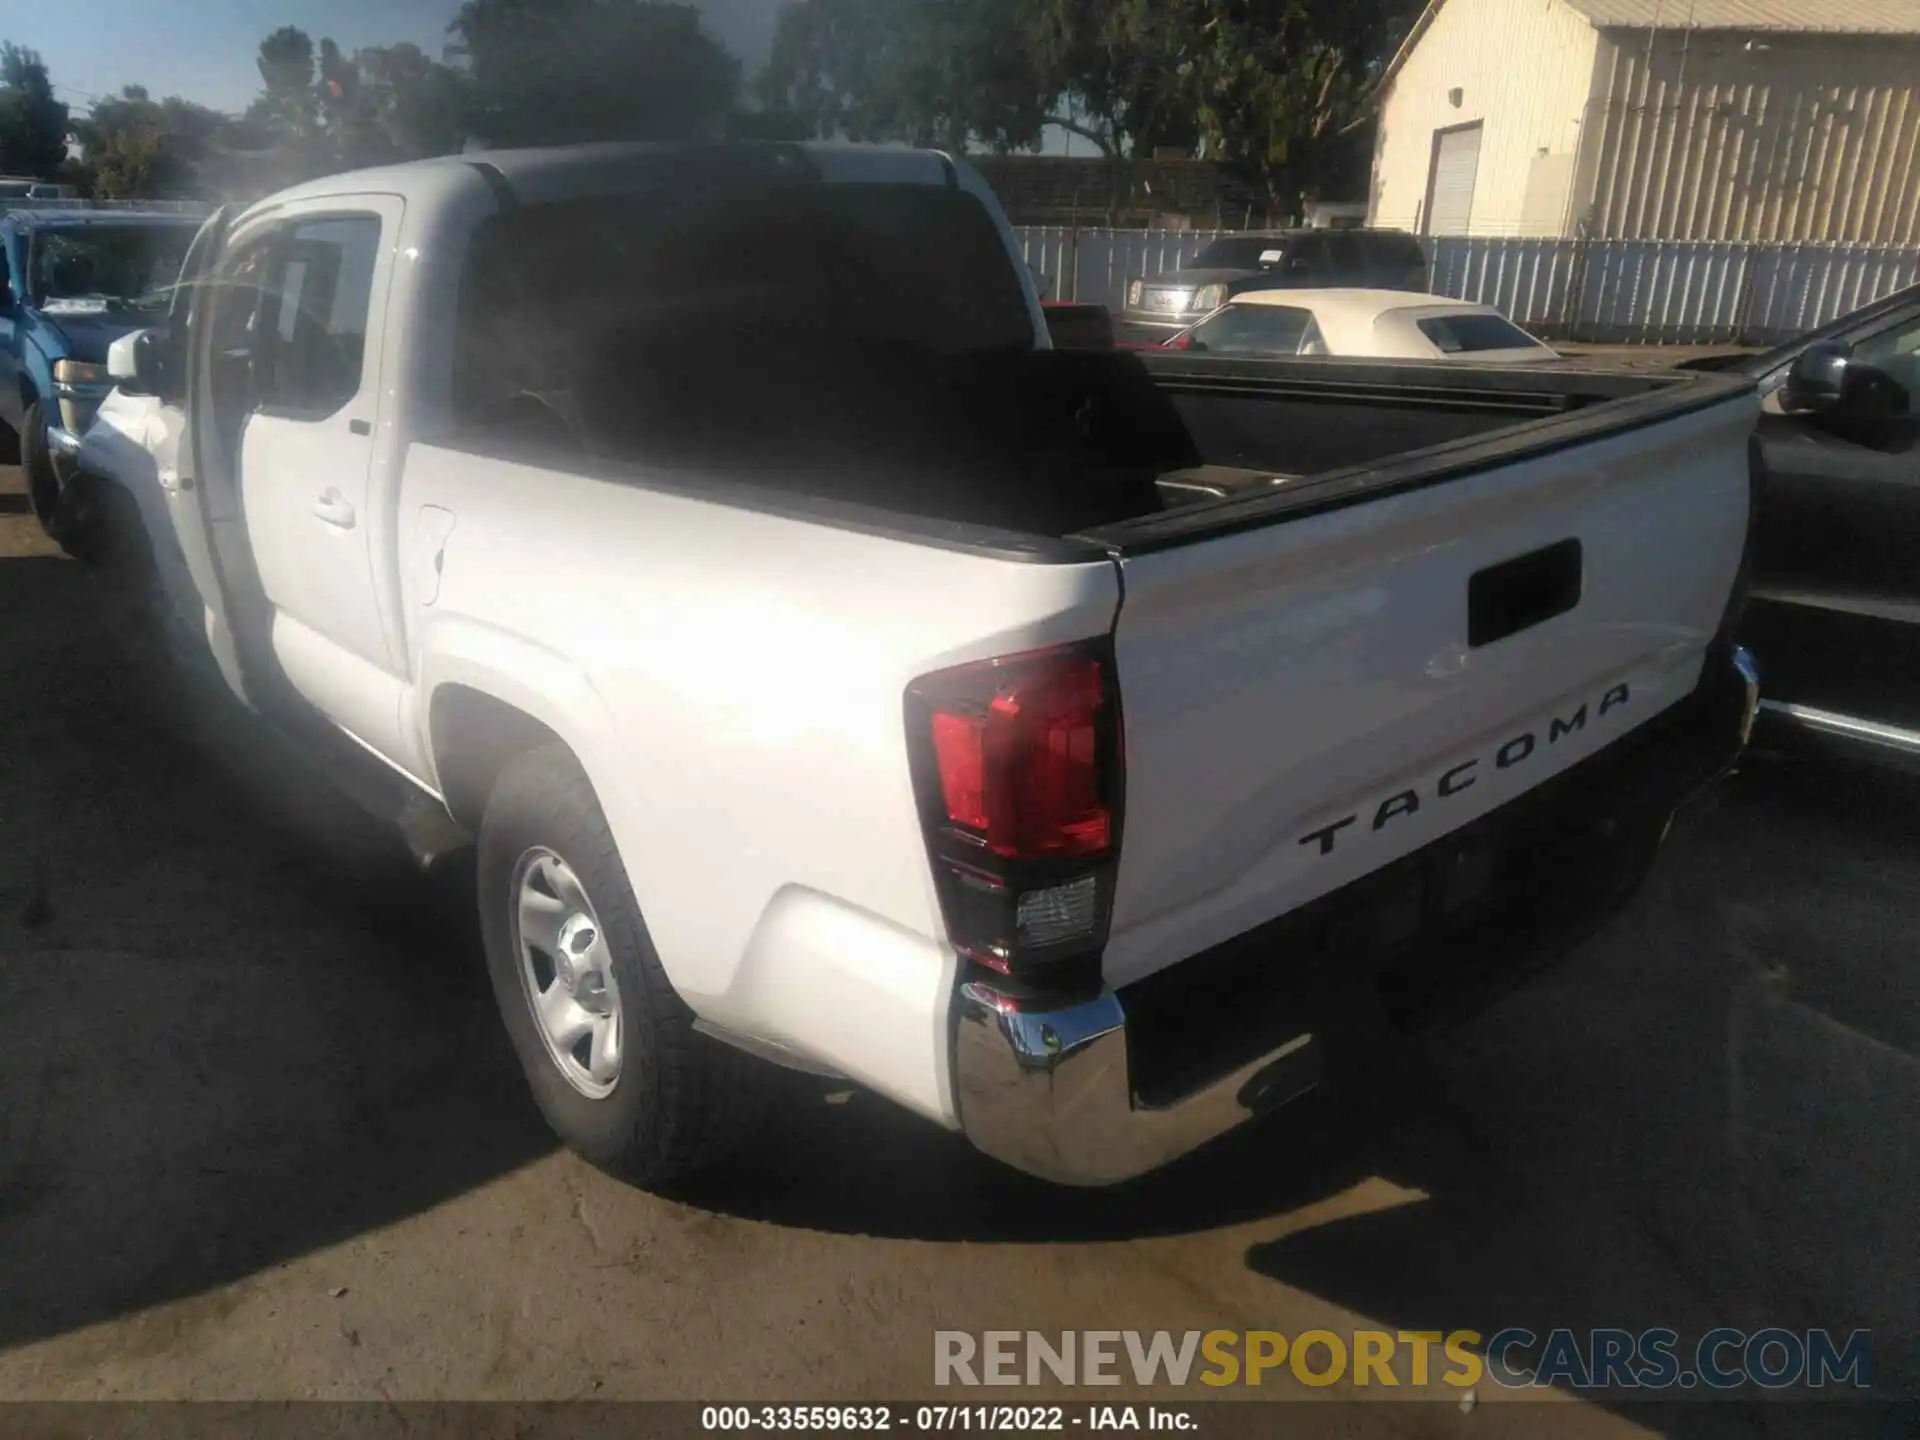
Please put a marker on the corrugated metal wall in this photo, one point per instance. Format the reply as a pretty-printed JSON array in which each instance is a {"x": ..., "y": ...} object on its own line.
[
  {"x": 1770, "y": 137},
  {"x": 1653, "y": 292},
  {"x": 1619, "y": 291},
  {"x": 1094, "y": 265},
  {"x": 1525, "y": 68}
]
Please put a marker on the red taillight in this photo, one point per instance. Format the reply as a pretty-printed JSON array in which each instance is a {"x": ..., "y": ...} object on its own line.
[
  {"x": 1023, "y": 769},
  {"x": 957, "y": 743},
  {"x": 1180, "y": 341},
  {"x": 1018, "y": 768}
]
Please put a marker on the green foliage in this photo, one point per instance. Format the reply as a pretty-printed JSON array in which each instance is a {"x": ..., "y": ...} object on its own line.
[
  {"x": 288, "y": 104},
  {"x": 33, "y": 125},
  {"x": 136, "y": 147},
  {"x": 1283, "y": 88},
  {"x": 1278, "y": 90},
  {"x": 927, "y": 72},
  {"x": 412, "y": 102},
  {"x": 1123, "y": 69},
  {"x": 322, "y": 110},
  {"x": 556, "y": 72}
]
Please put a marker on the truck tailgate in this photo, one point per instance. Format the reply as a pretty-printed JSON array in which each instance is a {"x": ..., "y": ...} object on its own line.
[{"x": 1308, "y": 701}]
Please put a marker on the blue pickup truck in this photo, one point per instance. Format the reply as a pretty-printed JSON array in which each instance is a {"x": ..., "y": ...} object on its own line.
[{"x": 71, "y": 283}]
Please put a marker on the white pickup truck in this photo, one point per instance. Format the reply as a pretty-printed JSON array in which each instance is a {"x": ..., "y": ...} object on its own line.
[{"x": 831, "y": 674}]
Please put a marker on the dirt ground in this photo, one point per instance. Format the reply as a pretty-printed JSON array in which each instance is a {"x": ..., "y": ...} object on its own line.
[{"x": 261, "y": 1135}]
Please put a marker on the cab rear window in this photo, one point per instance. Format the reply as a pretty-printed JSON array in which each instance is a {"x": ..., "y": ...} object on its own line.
[{"x": 757, "y": 261}]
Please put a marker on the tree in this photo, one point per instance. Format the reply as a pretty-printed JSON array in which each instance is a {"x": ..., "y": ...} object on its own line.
[
  {"x": 555, "y": 72},
  {"x": 413, "y": 102},
  {"x": 1285, "y": 88},
  {"x": 1122, "y": 70},
  {"x": 945, "y": 73},
  {"x": 136, "y": 147},
  {"x": 992, "y": 73},
  {"x": 33, "y": 125},
  {"x": 288, "y": 104},
  {"x": 336, "y": 91},
  {"x": 1278, "y": 90},
  {"x": 322, "y": 110}
]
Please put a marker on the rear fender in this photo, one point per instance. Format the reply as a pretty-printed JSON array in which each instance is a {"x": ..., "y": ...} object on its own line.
[{"x": 544, "y": 686}]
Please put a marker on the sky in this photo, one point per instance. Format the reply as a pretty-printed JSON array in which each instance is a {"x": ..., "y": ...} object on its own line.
[{"x": 204, "y": 49}]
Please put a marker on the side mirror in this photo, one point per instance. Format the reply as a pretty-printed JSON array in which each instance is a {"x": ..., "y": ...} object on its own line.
[
  {"x": 136, "y": 362},
  {"x": 1818, "y": 379},
  {"x": 1860, "y": 403}
]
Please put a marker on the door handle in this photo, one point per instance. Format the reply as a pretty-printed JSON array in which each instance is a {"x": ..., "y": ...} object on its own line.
[{"x": 334, "y": 508}]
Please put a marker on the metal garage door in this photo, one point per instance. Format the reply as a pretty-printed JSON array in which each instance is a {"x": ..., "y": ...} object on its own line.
[{"x": 1456, "y": 162}]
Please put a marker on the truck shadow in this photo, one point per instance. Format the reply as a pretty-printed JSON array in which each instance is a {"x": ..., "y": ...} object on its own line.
[
  {"x": 234, "y": 1026},
  {"x": 1708, "y": 1123},
  {"x": 1702, "y": 1117}
]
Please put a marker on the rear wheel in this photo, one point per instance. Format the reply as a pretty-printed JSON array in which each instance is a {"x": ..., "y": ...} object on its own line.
[
  {"x": 36, "y": 459},
  {"x": 607, "y": 1045}
]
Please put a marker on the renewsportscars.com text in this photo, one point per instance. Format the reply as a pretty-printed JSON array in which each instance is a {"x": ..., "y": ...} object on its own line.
[{"x": 1655, "y": 1359}]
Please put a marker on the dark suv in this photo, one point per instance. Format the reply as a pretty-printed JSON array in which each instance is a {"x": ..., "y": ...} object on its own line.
[{"x": 1367, "y": 259}]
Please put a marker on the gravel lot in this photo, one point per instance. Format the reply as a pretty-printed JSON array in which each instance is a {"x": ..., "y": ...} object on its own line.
[{"x": 261, "y": 1135}]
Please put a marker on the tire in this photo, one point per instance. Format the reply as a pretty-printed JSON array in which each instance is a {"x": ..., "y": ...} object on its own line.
[
  {"x": 679, "y": 1101},
  {"x": 82, "y": 524},
  {"x": 36, "y": 460}
]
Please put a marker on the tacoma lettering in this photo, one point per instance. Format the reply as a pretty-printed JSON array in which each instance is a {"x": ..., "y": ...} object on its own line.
[
  {"x": 1452, "y": 782},
  {"x": 1405, "y": 803},
  {"x": 1559, "y": 727}
]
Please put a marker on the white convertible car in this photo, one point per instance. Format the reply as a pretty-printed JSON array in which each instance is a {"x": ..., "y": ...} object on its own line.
[{"x": 1383, "y": 324}]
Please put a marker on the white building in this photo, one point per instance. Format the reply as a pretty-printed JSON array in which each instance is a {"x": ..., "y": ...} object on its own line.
[{"x": 1768, "y": 120}]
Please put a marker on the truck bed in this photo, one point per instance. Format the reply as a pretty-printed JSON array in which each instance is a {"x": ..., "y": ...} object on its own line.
[
  {"x": 1293, "y": 436},
  {"x": 1119, "y": 450},
  {"x": 1314, "y": 683}
]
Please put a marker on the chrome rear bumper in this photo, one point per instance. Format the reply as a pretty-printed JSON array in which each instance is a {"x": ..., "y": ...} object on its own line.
[
  {"x": 1047, "y": 1091},
  {"x": 1046, "y": 1085}
]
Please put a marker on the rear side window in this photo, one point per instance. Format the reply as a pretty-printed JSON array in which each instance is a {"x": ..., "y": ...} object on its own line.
[
  {"x": 1464, "y": 334},
  {"x": 1244, "y": 252},
  {"x": 1310, "y": 251},
  {"x": 1260, "y": 330}
]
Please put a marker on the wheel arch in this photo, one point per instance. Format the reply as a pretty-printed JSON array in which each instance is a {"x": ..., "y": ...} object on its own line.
[
  {"x": 475, "y": 735},
  {"x": 487, "y": 696}
]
